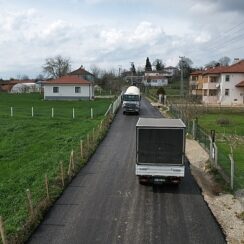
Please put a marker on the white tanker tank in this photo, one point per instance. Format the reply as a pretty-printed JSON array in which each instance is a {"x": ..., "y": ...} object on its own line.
[{"x": 131, "y": 100}]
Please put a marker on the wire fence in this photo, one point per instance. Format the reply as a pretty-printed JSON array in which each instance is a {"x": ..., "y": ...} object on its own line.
[{"x": 219, "y": 152}]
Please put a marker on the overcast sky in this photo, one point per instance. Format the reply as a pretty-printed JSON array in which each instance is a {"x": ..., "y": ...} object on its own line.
[{"x": 113, "y": 33}]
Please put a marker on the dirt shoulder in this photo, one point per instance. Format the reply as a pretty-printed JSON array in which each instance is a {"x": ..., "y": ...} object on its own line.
[{"x": 225, "y": 207}]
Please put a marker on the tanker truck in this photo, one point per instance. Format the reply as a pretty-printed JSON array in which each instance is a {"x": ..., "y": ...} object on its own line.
[{"x": 131, "y": 100}]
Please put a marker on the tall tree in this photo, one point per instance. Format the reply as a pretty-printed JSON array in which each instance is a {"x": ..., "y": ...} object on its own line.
[
  {"x": 148, "y": 66},
  {"x": 224, "y": 61},
  {"x": 56, "y": 67},
  {"x": 133, "y": 69},
  {"x": 159, "y": 66}
]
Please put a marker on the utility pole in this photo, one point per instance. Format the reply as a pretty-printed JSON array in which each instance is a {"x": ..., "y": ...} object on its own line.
[
  {"x": 181, "y": 76},
  {"x": 131, "y": 63}
]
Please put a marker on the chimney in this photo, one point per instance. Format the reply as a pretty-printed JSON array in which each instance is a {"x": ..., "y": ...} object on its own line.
[{"x": 236, "y": 60}]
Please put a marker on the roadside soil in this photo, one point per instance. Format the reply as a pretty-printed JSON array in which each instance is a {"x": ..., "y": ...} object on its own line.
[{"x": 225, "y": 207}]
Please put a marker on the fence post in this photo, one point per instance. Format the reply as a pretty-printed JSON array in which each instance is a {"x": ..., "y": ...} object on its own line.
[
  {"x": 2, "y": 231},
  {"x": 81, "y": 149},
  {"x": 194, "y": 129},
  {"x": 32, "y": 112},
  {"x": 30, "y": 202},
  {"x": 47, "y": 187},
  {"x": 11, "y": 112},
  {"x": 211, "y": 155},
  {"x": 52, "y": 112},
  {"x": 91, "y": 113},
  {"x": 62, "y": 172},
  {"x": 73, "y": 113},
  {"x": 215, "y": 154},
  {"x": 93, "y": 135},
  {"x": 88, "y": 141},
  {"x": 232, "y": 166}
]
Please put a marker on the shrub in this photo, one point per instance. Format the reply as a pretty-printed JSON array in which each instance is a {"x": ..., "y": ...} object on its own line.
[
  {"x": 223, "y": 121},
  {"x": 161, "y": 91}
]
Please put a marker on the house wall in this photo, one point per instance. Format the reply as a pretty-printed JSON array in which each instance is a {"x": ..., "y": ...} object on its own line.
[
  {"x": 68, "y": 92},
  {"x": 235, "y": 93},
  {"x": 156, "y": 82}
]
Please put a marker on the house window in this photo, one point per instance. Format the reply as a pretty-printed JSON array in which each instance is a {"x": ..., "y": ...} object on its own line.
[
  {"x": 77, "y": 89},
  {"x": 205, "y": 92},
  {"x": 55, "y": 89},
  {"x": 227, "y": 78},
  {"x": 227, "y": 92},
  {"x": 212, "y": 92}
]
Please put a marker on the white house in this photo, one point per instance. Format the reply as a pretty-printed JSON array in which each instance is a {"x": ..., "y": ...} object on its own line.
[
  {"x": 222, "y": 85},
  {"x": 69, "y": 87},
  {"x": 155, "y": 78}
]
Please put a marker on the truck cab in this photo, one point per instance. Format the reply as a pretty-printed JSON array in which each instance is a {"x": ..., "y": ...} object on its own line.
[{"x": 131, "y": 100}]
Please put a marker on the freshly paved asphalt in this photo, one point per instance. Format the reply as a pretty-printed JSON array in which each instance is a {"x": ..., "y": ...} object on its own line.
[{"x": 106, "y": 204}]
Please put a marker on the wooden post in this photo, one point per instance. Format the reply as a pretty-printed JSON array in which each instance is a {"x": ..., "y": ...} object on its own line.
[
  {"x": 72, "y": 160},
  {"x": 88, "y": 141},
  {"x": 11, "y": 112},
  {"x": 47, "y": 187},
  {"x": 52, "y": 112},
  {"x": 215, "y": 154},
  {"x": 62, "y": 172},
  {"x": 81, "y": 149},
  {"x": 93, "y": 135},
  {"x": 30, "y": 203},
  {"x": 101, "y": 125},
  {"x": 2, "y": 231},
  {"x": 91, "y": 113},
  {"x": 32, "y": 111},
  {"x": 73, "y": 113},
  {"x": 232, "y": 166}
]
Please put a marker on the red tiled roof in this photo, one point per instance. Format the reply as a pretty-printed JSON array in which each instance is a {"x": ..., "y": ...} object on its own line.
[
  {"x": 235, "y": 68},
  {"x": 155, "y": 77},
  {"x": 199, "y": 72},
  {"x": 80, "y": 71},
  {"x": 68, "y": 79},
  {"x": 241, "y": 84}
]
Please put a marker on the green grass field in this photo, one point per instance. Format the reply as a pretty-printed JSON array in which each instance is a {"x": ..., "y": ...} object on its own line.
[
  {"x": 228, "y": 135},
  {"x": 31, "y": 147}
]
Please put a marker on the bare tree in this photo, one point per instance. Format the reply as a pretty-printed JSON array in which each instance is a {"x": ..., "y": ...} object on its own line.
[
  {"x": 57, "y": 66},
  {"x": 96, "y": 71},
  {"x": 224, "y": 61}
]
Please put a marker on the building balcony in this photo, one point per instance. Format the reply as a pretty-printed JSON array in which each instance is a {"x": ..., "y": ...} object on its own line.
[{"x": 210, "y": 85}]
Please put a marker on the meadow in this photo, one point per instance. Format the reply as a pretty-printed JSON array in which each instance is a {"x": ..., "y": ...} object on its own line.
[
  {"x": 32, "y": 147},
  {"x": 229, "y": 128}
]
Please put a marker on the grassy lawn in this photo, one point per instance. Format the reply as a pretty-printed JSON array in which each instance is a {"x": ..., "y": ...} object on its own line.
[
  {"x": 235, "y": 126},
  {"x": 31, "y": 147},
  {"x": 230, "y": 134}
]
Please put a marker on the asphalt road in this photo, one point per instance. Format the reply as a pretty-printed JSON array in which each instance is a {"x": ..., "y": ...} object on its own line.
[{"x": 106, "y": 204}]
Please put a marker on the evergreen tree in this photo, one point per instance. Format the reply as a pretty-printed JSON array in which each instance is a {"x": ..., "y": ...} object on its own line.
[
  {"x": 159, "y": 66},
  {"x": 133, "y": 69},
  {"x": 148, "y": 66}
]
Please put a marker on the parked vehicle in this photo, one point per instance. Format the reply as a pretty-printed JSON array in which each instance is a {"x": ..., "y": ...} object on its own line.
[
  {"x": 160, "y": 147},
  {"x": 131, "y": 100}
]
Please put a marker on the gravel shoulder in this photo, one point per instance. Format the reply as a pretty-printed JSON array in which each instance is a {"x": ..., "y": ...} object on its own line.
[{"x": 225, "y": 207}]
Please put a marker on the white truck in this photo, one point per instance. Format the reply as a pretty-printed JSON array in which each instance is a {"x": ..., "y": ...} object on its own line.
[
  {"x": 131, "y": 100},
  {"x": 160, "y": 150}
]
